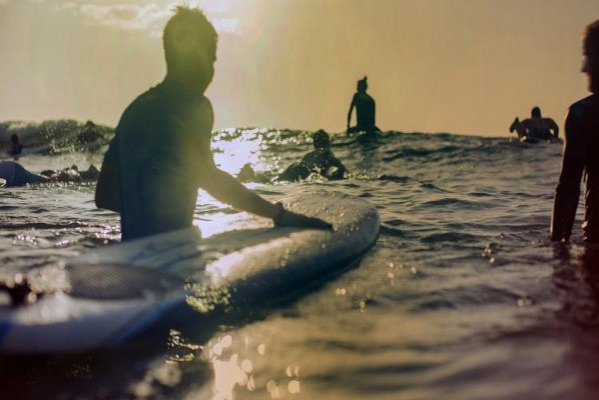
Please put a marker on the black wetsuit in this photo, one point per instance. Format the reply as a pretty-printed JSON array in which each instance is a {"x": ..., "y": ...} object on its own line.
[
  {"x": 580, "y": 159},
  {"x": 365, "y": 113},
  {"x": 320, "y": 161},
  {"x": 152, "y": 149}
]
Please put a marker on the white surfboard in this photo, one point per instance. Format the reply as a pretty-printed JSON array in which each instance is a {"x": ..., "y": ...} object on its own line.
[{"x": 112, "y": 295}]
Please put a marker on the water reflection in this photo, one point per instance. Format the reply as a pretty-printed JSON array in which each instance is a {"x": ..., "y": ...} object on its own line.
[{"x": 234, "y": 366}]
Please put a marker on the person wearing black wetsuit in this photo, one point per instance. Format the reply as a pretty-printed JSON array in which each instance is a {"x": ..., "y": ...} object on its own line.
[
  {"x": 580, "y": 153},
  {"x": 536, "y": 127},
  {"x": 365, "y": 110},
  {"x": 15, "y": 145},
  {"x": 161, "y": 153},
  {"x": 319, "y": 161}
]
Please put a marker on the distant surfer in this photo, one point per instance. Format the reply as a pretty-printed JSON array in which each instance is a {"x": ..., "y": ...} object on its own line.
[
  {"x": 320, "y": 161},
  {"x": 365, "y": 110},
  {"x": 536, "y": 127},
  {"x": 89, "y": 134},
  {"x": 15, "y": 145},
  {"x": 14, "y": 174},
  {"x": 154, "y": 187},
  {"x": 580, "y": 153}
]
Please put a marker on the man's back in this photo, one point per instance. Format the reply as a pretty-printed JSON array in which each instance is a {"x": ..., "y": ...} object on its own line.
[
  {"x": 582, "y": 144},
  {"x": 153, "y": 144},
  {"x": 365, "y": 109}
]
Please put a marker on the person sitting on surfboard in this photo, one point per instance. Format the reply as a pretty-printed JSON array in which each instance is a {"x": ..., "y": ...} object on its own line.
[
  {"x": 320, "y": 161},
  {"x": 580, "y": 153},
  {"x": 536, "y": 127},
  {"x": 154, "y": 187},
  {"x": 365, "y": 110}
]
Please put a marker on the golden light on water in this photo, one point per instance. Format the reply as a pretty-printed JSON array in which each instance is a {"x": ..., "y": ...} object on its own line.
[{"x": 234, "y": 369}]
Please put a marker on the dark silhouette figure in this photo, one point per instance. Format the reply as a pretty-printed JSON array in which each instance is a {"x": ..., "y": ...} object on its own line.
[
  {"x": 14, "y": 174},
  {"x": 161, "y": 153},
  {"x": 536, "y": 127},
  {"x": 89, "y": 134},
  {"x": 365, "y": 110},
  {"x": 15, "y": 145},
  {"x": 320, "y": 161},
  {"x": 580, "y": 153}
]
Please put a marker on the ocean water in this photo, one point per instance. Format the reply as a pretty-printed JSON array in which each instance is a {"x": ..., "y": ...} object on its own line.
[{"x": 462, "y": 297}]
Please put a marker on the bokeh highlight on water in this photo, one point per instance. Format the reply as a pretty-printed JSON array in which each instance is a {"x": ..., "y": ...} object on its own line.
[{"x": 462, "y": 297}]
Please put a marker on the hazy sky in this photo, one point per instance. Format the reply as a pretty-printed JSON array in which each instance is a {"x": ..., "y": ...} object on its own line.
[{"x": 462, "y": 66}]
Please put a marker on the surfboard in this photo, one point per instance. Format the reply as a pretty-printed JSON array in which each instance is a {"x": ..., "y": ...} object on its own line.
[{"x": 112, "y": 295}]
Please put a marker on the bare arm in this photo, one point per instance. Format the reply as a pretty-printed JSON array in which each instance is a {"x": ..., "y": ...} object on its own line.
[
  {"x": 568, "y": 188},
  {"x": 553, "y": 127},
  {"x": 351, "y": 109},
  {"x": 229, "y": 190}
]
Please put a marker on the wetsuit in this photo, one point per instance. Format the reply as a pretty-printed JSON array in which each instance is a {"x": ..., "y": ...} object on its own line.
[
  {"x": 153, "y": 150},
  {"x": 15, "y": 175},
  {"x": 365, "y": 113},
  {"x": 319, "y": 161},
  {"x": 580, "y": 159}
]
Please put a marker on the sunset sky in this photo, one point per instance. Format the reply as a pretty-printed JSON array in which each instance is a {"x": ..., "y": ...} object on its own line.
[{"x": 461, "y": 66}]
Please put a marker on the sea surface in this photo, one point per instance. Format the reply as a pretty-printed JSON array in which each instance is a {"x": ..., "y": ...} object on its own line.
[{"x": 462, "y": 297}]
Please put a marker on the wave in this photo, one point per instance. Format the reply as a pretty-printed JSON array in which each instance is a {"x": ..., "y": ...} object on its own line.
[{"x": 55, "y": 137}]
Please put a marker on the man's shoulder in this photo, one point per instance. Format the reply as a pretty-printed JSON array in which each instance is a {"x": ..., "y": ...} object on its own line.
[{"x": 583, "y": 106}]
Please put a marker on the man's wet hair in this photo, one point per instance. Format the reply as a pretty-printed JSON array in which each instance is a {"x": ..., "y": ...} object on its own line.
[
  {"x": 192, "y": 20},
  {"x": 363, "y": 84},
  {"x": 321, "y": 139},
  {"x": 535, "y": 112},
  {"x": 591, "y": 39}
]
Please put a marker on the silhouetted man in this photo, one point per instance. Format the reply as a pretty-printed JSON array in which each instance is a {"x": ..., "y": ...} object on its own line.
[
  {"x": 15, "y": 145},
  {"x": 580, "y": 153},
  {"x": 320, "y": 161},
  {"x": 365, "y": 110},
  {"x": 161, "y": 154},
  {"x": 536, "y": 127}
]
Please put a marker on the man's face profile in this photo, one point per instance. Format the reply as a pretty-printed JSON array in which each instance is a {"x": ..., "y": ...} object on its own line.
[{"x": 590, "y": 65}]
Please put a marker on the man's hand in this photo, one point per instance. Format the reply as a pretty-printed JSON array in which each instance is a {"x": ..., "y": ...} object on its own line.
[{"x": 289, "y": 218}]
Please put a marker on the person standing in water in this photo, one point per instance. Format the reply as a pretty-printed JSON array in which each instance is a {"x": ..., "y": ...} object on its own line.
[
  {"x": 536, "y": 127},
  {"x": 365, "y": 110},
  {"x": 15, "y": 145},
  {"x": 580, "y": 153},
  {"x": 161, "y": 153}
]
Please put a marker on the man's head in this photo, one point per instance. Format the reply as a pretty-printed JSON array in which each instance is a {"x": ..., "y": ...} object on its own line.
[
  {"x": 321, "y": 139},
  {"x": 362, "y": 85},
  {"x": 535, "y": 112},
  {"x": 190, "y": 46},
  {"x": 590, "y": 64}
]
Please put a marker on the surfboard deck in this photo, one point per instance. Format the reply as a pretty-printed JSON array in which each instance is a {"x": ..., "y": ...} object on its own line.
[{"x": 111, "y": 295}]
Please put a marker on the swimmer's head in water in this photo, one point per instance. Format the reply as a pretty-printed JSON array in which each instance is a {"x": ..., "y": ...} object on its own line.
[
  {"x": 190, "y": 45},
  {"x": 321, "y": 139},
  {"x": 535, "y": 112},
  {"x": 362, "y": 85},
  {"x": 590, "y": 64}
]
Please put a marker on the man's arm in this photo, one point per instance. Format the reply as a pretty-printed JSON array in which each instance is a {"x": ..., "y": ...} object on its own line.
[
  {"x": 351, "y": 108},
  {"x": 553, "y": 127},
  {"x": 229, "y": 190},
  {"x": 340, "y": 168},
  {"x": 108, "y": 188},
  {"x": 568, "y": 188}
]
